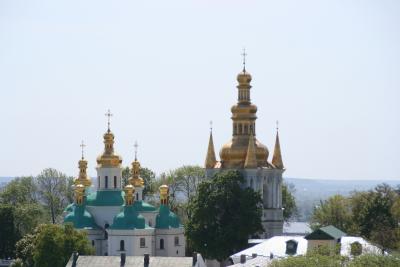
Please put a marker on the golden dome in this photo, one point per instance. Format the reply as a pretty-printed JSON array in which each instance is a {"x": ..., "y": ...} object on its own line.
[
  {"x": 136, "y": 180},
  {"x": 108, "y": 158},
  {"x": 244, "y": 77},
  {"x": 164, "y": 192},
  {"x": 233, "y": 154},
  {"x": 83, "y": 178},
  {"x": 129, "y": 194}
]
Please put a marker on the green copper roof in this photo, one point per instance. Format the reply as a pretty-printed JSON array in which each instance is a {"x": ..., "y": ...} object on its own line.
[
  {"x": 80, "y": 218},
  {"x": 325, "y": 233},
  {"x": 69, "y": 208},
  {"x": 166, "y": 219},
  {"x": 143, "y": 206},
  {"x": 106, "y": 198},
  {"x": 128, "y": 218}
]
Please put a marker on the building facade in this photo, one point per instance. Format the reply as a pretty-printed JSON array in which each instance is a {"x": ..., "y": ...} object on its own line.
[
  {"x": 116, "y": 218},
  {"x": 249, "y": 156}
]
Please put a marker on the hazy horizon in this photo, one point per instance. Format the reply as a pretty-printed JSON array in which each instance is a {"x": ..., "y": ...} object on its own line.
[{"x": 328, "y": 71}]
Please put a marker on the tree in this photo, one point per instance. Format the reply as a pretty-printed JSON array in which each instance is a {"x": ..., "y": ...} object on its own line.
[
  {"x": 54, "y": 191},
  {"x": 334, "y": 211},
  {"x": 8, "y": 234},
  {"x": 223, "y": 215},
  {"x": 288, "y": 201},
  {"x": 51, "y": 245},
  {"x": 20, "y": 190},
  {"x": 28, "y": 216}
]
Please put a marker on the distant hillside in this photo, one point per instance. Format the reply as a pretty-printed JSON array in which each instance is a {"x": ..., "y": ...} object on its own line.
[
  {"x": 309, "y": 192},
  {"x": 5, "y": 180}
]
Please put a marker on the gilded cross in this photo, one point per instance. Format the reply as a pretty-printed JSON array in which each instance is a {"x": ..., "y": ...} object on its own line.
[
  {"x": 277, "y": 125},
  {"x": 109, "y": 115},
  {"x": 82, "y": 148},
  {"x": 211, "y": 126},
  {"x": 244, "y": 59},
  {"x": 136, "y": 149}
]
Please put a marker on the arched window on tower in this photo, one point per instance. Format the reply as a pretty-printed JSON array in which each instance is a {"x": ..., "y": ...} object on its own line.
[
  {"x": 161, "y": 243},
  {"x": 115, "y": 181},
  {"x": 240, "y": 128},
  {"x": 137, "y": 196},
  {"x": 98, "y": 182},
  {"x": 245, "y": 129},
  {"x": 106, "y": 182},
  {"x": 122, "y": 245}
]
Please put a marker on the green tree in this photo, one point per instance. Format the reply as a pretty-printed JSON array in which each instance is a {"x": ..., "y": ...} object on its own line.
[
  {"x": 8, "y": 233},
  {"x": 54, "y": 244},
  {"x": 288, "y": 201},
  {"x": 222, "y": 216},
  {"x": 54, "y": 191},
  {"x": 28, "y": 216},
  {"x": 24, "y": 249},
  {"x": 334, "y": 211},
  {"x": 20, "y": 190}
]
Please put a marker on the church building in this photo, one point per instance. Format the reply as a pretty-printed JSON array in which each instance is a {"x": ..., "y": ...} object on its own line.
[
  {"x": 249, "y": 156},
  {"x": 117, "y": 219}
]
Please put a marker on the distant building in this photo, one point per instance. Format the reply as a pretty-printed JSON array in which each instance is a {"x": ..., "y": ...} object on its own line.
[
  {"x": 118, "y": 220},
  {"x": 279, "y": 247},
  {"x": 249, "y": 156}
]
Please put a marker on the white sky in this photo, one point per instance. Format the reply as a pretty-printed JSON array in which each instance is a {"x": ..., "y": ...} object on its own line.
[{"x": 329, "y": 71}]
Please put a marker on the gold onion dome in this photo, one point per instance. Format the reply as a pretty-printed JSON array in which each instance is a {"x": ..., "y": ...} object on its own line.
[
  {"x": 83, "y": 178},
  {"x": 164, "y": 191},
  {"x": 109, "y": 158},
  {"x": 234, "y": 153},
  {"x": 129, "y": 194},
  {"x": 136, "y": 180}
]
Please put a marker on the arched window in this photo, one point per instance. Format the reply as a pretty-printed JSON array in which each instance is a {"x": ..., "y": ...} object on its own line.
[
  {"x": 106, "y": 182},
  {"x": 122, "y": 245},
  {"x": 142, "y": 242},
  {"x": 115, "y": 181},
  {"x": 105, "y": 235},
  {"x": 161, "y": 243},
  {"x": 93, "y": 243},
  {"x": 176, "y": 241},
  {"x": 137, "y": 196},
  {"x": 98, "y": 181}
]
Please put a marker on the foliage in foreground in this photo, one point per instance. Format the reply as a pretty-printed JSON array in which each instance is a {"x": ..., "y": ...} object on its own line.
[
  {"x": 52, "y": 245},
  {"x": 366, "y": 260},
  {"x": 222, "y": 215}
]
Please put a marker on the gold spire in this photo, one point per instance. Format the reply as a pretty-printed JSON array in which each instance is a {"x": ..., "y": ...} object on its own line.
[
  {"x": 129, "y": 194},
  {"x": 136, "y": 180},
  {"x": 251, "y": 158},
  {"x": 83, "y": 178},
  {"x": 210, "y": 159},
  {"x": 277, "y": 158},
  {"x": 79, "y": 194},
  {"x": 108, "y": 158},
  {"x": 164, "y": 191}
]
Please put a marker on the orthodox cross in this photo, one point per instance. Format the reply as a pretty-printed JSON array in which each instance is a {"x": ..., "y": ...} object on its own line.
[
  {"x": 211, "y": 126},
  {"x": 277, "y": 125},
  {"x": 244, "y": 59},
  {"x": 83, "y": 148},
  {"x": 136, "y": 148},
  {"x": 109, "y": 115}
]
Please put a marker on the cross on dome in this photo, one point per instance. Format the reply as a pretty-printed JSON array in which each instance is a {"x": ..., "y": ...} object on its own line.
[
  {"x": 82, "y": 145},
  {"x": 211, "y": 126},
  {"x": 277, "y": 125},
  {"x": 109, "y": 115},
  {"x": 136, "y": 149},
  {"x": 244, "y": 59}
]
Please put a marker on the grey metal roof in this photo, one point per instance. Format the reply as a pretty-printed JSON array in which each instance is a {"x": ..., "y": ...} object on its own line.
[{"x": 131, "y": 261}]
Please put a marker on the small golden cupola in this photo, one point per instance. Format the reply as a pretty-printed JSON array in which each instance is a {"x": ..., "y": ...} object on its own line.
[
  {"x": 277, "y": 158},
  {"x": 79, "y": 191},
  {"x": 136, "y": 180},
  {"x": 108, "y": 158},
  {"x": 164, "y": 194},
  {"x": 233, "y": 154},
  {"x": 129, "y": 194},
  {"x": 83, "y": 178}
]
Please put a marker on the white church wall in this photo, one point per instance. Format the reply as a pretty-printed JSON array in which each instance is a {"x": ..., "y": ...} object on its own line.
[
  {"x": 132, "y": 242},
  {"x": 171, "y": 249},
  {"x": 110, "y": 173},
  {"x": 104, "y": 214}
]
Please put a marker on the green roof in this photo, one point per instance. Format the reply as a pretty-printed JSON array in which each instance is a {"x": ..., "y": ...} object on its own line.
[
  {"x": 166, "y": 219},
  {"x": 106, "y": 198},
  {"x": 80, "y": 218},
  {"x": 128, "y": 218},
  {"x": 143, "y": 206},
  {"x": 325, "y": 233},
  {"x": 69, "y": 208}
]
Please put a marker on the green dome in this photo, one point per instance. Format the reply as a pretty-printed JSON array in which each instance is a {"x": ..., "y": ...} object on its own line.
[
  {"x": 80, "y": 218},
  {"x": 106, "y": 198},
  {"x": 166, "y": 219},
  {"x": 129, "y": 218}
]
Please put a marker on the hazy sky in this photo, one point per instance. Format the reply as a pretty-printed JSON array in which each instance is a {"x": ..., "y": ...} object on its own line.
[{"x": 329, "y": 71}]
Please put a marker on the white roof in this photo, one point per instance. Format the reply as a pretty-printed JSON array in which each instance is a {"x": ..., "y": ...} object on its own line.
[{"x": 277, "y": 246}]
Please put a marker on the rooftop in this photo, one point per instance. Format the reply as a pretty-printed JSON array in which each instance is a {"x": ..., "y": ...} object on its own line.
[{"x": 131, "y": 261}]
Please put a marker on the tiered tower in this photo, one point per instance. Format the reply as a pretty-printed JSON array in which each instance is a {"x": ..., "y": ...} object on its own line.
[{"x": 248, "y": 155}]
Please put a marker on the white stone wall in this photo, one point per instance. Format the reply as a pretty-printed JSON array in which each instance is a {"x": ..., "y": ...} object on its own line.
[
  {"x": 110, "y": 173},
  {"x": 150, "y": 218},
  {"x": 170, "y": 248},
  {"x": 131, "y": 239},
  {"x": 104, "y": 214}
]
